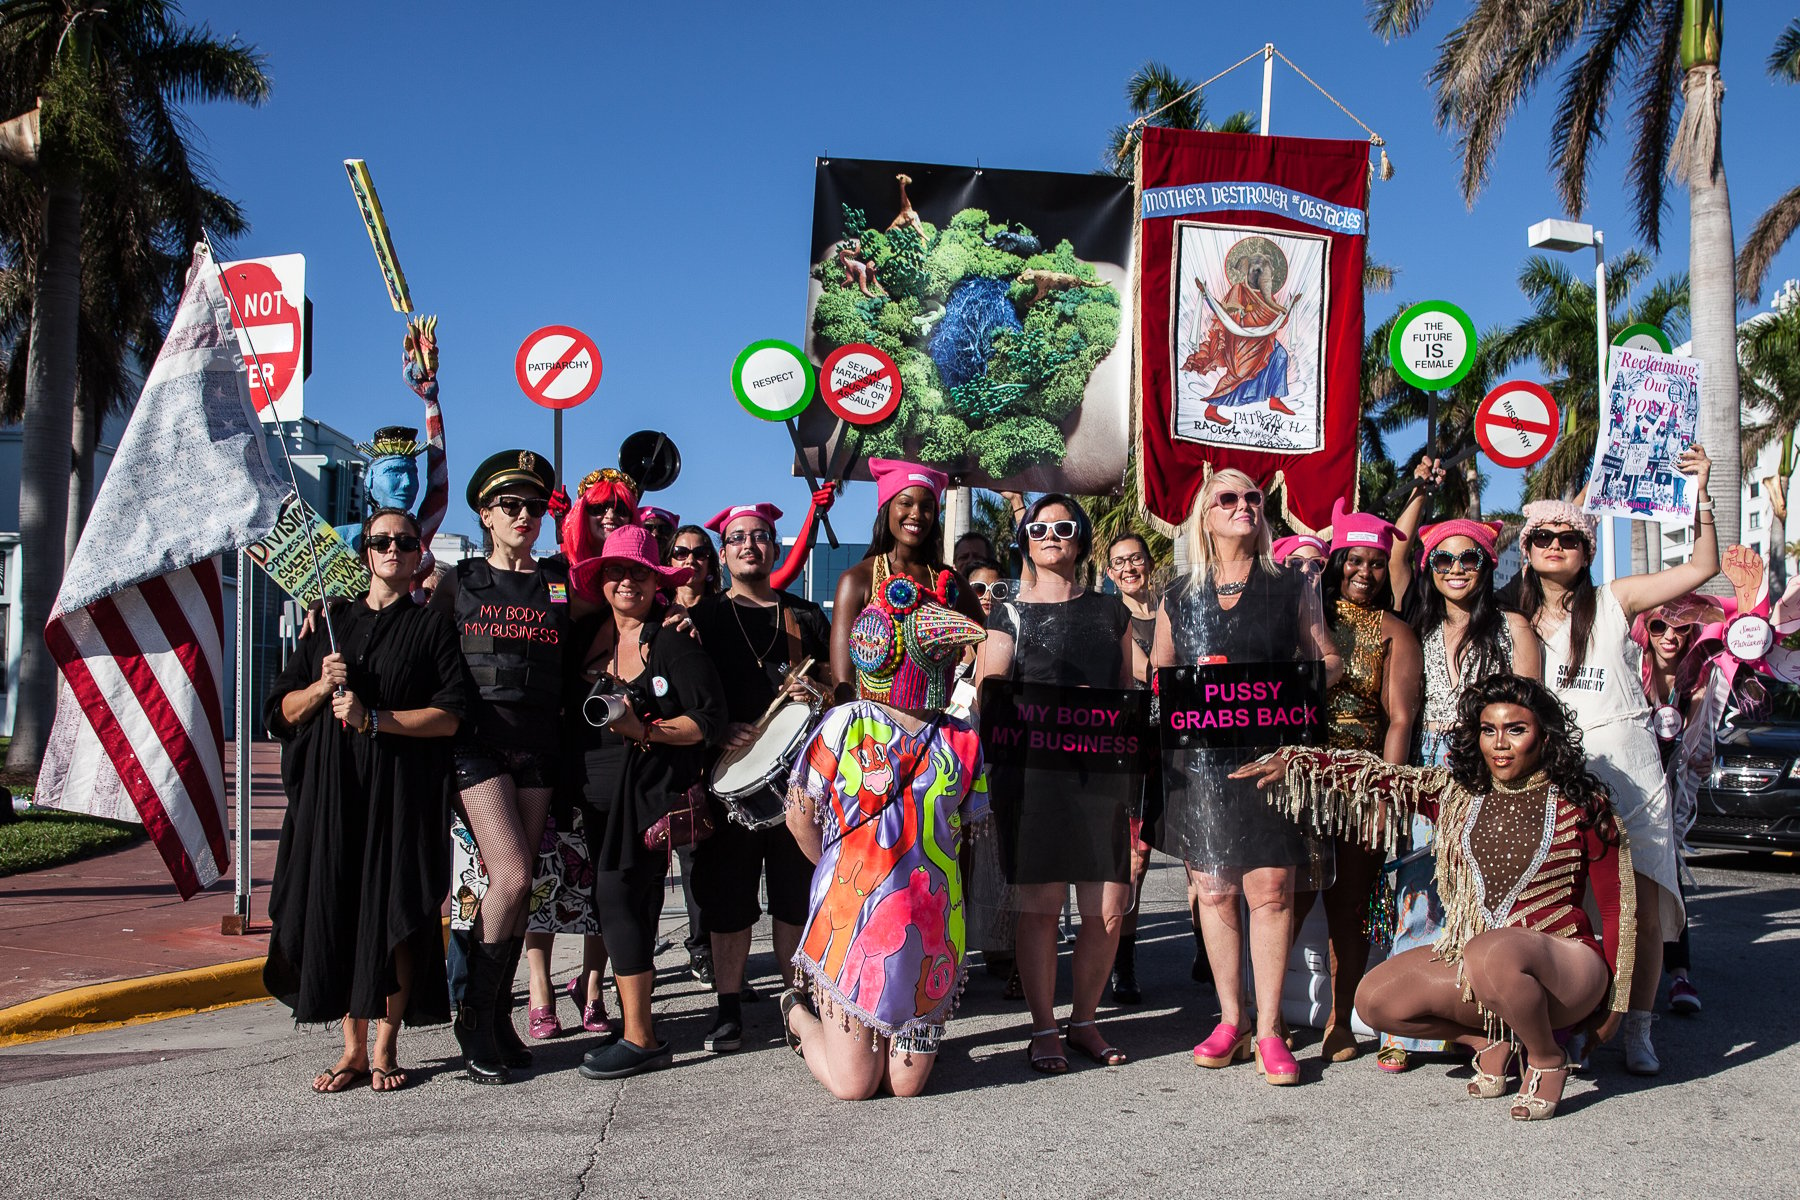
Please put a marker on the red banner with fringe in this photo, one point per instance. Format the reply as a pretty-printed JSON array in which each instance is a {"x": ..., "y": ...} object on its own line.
[{"x": 1250, "y": 316}]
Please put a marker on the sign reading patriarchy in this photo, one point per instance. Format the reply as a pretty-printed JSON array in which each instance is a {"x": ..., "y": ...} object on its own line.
[{"x": 1250, "y": 316}]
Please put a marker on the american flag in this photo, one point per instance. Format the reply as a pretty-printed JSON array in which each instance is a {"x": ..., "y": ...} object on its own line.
[{"x": 138, "y": 627}]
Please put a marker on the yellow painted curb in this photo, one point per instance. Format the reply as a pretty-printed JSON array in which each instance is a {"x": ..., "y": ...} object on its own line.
[{"x": 132, "y": 1002}]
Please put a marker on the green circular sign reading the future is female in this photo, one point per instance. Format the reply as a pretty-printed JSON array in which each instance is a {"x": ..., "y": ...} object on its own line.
[
  {"x": 772, "y": 380},
  {"x": 1432, "y": 345}
]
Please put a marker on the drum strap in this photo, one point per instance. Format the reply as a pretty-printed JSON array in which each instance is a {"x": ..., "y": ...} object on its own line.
[
  {"x": 929, "y": 733},
  {"x": 791, "y": 623}
]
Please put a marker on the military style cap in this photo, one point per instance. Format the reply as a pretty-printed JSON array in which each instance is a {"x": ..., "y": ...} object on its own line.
[{"x": 510, "y": 467}]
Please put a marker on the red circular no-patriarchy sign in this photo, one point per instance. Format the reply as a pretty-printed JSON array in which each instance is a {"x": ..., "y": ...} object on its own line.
[
  {"x": 860, "y": 383},
  {"x": 1516, "y": 423},
  {"x": 269, "y": 321},
  {"x": 558, "y": 366}
]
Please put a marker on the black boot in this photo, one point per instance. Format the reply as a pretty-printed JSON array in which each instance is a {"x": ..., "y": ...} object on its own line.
[
  {"x": 475, "y": 1022},
  {"x": 513, "y": 1050},
  {"x": 1124, "y": 975}
]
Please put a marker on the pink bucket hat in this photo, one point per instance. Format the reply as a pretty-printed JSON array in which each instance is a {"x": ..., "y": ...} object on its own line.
[
  {"x": 1485, "y": 534},
  {"x": 1350, "y": 529},
  {"x": 1292, "y": 542},
  {"x": 765, "y": 512},
  {"x": 629, "y": 544},
  {"x": 893, "y": 477}
]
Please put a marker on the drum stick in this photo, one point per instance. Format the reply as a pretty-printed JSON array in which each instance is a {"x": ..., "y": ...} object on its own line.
[{"x": 781, "y": 697}]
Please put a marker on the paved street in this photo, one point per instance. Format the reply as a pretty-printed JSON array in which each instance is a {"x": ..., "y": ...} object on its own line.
[{"x": 218, "y": 1104}]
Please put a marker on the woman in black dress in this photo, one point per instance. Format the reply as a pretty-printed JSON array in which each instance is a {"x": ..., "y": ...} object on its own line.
[
  {"x": 628, "y": 769},
  {"x": 1235, "y": 605},
  {"x": 1058, "y": 632},
  {"x": 364, "y": 858}
]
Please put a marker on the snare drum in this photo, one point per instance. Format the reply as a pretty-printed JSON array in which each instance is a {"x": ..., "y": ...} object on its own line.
[{"x": 752, "y": 781}]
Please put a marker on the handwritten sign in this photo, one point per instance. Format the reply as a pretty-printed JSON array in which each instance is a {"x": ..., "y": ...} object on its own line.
[
  {"x": 287, "y": 555},
  {"x": 1236, "y": 705},
  {"x": 1652, "y": 414},
  {"x": 1047, "y": 727}
]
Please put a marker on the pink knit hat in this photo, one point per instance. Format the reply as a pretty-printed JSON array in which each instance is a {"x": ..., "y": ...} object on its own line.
[
  {"x": 1350, "y": 529},
  {"x": 1485, "y": 534},
  {"x": 893, "y": 477},
  {"x": 1558, "y": 512},
  {"x": 765, "y": 512},
  {"x": 1292, "y": 542},
  {"x": 652, "y": 513}
]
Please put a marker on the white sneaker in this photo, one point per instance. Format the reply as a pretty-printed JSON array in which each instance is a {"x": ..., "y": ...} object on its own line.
[{"x": 1640, "y": 1055}]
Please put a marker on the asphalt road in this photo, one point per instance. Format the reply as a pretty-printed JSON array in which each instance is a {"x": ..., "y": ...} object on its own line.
[{"x": 219, "y": 1104}]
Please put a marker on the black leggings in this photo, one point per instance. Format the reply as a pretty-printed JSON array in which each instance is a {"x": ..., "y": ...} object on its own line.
[
  {"x": 629, "y": 902},
  {"x": 1675, "y": 953}
]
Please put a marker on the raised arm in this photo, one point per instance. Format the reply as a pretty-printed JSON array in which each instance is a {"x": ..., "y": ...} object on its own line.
[
  {"x": 1349, "y": 793},
  {"x": 1640, "y": 593},
  {"x": 1400, "y": 571}
]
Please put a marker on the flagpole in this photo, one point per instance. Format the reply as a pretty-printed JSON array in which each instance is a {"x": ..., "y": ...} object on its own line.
[{"x": 1268, "y": 55}]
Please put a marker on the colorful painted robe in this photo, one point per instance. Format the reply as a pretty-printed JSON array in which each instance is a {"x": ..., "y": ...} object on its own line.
[{"x": 884, "y": 937}]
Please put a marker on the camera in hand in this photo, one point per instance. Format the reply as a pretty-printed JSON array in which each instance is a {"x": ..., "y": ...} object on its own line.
[{"x": 606, "y": 702}]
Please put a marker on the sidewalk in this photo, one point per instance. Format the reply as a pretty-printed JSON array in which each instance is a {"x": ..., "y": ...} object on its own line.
[{"x": 118, "y": 916}]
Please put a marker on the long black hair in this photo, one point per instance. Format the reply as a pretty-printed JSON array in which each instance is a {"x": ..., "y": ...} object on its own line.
[
  {"x": 708, "y": 553},
  {"x": 1487, "y": 615},
  {"x": 1581, "y": 602},
  {"x": 1559, "y": 742},
  {"x": 1331, "y": 585}
]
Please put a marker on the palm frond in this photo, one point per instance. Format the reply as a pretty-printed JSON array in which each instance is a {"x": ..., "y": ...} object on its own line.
[
  {"x": 1770, "y": 233},
  {"x": 1784, "y": 59},
  {"x": 1587, "y": 87},
  {"x": 1378, "y": 276},
  {"x": 1391, "y": 19},
  {"x": 1653, "y": 115}
]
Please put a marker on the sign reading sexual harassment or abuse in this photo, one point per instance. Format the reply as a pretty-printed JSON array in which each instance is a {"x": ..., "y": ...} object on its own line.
[
  {"x": 1235, "y": 705},
  {"x": 1046, "y": 726}
]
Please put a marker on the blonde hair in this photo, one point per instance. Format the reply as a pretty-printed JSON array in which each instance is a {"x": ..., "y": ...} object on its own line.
[{"x": 1199, "y": 541}]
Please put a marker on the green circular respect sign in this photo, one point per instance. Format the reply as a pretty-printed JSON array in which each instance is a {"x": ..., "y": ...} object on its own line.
[
  {"x": 1432, "y": 345},
  {"x": 772, "y": 380},
  {"x": 1644, "y": 336}
]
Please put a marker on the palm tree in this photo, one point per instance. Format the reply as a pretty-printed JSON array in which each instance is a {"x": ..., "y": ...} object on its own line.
[
  {"x": 1769, "y": 348},
  {"x": 1177, "y": 104},
  {"x": 111, "y": 75},
  {"x": 1491, "y": 63},
  {"x": 1778, "y": 222}
]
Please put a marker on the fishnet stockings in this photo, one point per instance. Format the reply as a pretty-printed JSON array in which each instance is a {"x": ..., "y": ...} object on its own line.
[{"x": 508, "y": 824}]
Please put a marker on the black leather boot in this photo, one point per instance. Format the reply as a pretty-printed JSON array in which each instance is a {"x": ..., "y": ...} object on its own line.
[
  {"x": 475, "y": 1022},
  {"x": 1124, "y": 973},
  {"x": 513, "y": 1050}
]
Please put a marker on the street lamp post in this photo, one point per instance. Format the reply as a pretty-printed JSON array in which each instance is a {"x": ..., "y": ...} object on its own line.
[{"x": 1565, "y": 237}]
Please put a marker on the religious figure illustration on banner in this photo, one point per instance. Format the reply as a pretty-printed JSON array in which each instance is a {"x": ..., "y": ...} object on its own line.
[{"x": 1250, "y": 337}]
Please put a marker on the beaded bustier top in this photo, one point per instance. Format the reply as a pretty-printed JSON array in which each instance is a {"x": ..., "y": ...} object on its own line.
[
  {"x": 1441, "y": 694},
  {"x": 1353, "y": 705}
]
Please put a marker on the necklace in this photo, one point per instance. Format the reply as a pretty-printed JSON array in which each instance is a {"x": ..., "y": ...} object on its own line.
[
  {"x": 762, "y": 658},
  {"x": 1538, "y": 778},
  {"x": 1232, "y": 589}
]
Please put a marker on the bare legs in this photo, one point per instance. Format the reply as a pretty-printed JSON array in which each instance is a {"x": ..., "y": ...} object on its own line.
[
  {"x": 1647, "y": 973},
  {"x": 384, "y": 1056},
  {"x": 1269, "y": 892},
  {"x": 634, "y": 1007},
  {"x": 1102, "y": 907},
  {"x": 850, "y": 1067}
]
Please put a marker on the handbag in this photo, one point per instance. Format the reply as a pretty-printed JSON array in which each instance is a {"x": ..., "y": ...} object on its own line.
[{"x": 688, "y": 822}]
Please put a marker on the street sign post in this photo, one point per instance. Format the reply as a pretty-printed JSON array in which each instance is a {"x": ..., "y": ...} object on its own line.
[
  {"x": 774, "y": 381},
  {"x": 558, "y": 367}
]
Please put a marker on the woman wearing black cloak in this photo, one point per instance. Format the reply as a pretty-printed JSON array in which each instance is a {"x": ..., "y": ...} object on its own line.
[{"x": 364, "y": 859}]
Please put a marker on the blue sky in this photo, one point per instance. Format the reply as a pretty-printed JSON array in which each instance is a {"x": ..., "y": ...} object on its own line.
[{"x": 645, "y": 173}]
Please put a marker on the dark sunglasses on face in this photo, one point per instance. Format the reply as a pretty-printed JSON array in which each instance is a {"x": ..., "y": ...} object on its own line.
[
  {"x": 1568, "y": 539},
  {"x": 998, "y": 590},
  {"x": 1442, "y": 561},
  {"x": 683, "y": 553},
  {"x": 513, "y": 505},
  {"x": 1230, "y": 499},
  {"x": 1037, "y": 531},
  {"x": 614, "y": 572},
  {"x": 619, "y": 510},
  {"x": 1308, "y": 566},
  {"x": 379, "y": 542},
  {"x": 1659, "y": 627}
]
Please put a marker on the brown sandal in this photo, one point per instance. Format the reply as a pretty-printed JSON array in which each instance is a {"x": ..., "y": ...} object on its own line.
[{"x": 329, "y": 1076}]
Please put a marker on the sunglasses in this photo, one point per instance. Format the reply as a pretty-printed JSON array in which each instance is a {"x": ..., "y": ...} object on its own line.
[
  {"x": 1037, "y": 531},
  {"x": 512, "y": 506},
  {"x": 683, "y": 553},
  {"x": 1443, "y": 561},
  {"x": 1658, "y": 627},
  {"x": 1308, "y": 566},
  {"x": 379, "y": 542},
  {"x": 761, "y": 537},
  {"x": 995, "y": 591},
  {"x": 617, "y": 510},
  {"x": 1129, "y": 560},
  {"x": 1230, "y": 499},
  {"x": 614, "y": 572},
  {"x": 1568, "y": 539}
]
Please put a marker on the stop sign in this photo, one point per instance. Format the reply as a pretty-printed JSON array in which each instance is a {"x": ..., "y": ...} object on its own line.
[{"x": 267, "y": 310}]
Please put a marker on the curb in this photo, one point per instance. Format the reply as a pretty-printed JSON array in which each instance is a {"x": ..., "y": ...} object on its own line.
[{"x": 132, "y": 1002}]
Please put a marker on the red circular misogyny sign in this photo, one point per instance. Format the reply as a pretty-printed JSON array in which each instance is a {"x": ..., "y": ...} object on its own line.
[
  {"x": 269, "y": 321},
  {"x": 558, "y": 367},
  {"x": 1516, "y": 423}
]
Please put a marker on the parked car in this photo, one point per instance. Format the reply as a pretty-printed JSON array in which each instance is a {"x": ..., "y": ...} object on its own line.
[{"x": 1752, "y": 799}]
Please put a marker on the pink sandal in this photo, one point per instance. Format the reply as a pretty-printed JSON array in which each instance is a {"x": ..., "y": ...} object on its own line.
[
  {"x": 541, "y": 1023},
  {"x": 1276, "y": 1062},
  {"x": 1224, "y": 1046}
]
